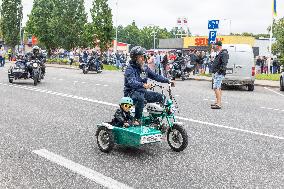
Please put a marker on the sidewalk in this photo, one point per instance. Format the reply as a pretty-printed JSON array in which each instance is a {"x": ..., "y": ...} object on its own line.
[{"x": 262, "y": 83}]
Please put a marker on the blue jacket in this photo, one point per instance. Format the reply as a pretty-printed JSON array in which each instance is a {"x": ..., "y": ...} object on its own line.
[{"x": 133, "y": 80}]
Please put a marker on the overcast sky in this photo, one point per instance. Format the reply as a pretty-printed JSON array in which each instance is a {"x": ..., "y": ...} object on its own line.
[{"x": 245, "y": 15}]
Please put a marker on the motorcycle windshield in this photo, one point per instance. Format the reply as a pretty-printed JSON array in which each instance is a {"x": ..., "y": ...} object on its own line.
[{"x": 20, "y": 64}]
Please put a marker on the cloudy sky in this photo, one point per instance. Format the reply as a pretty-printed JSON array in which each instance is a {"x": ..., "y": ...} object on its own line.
[{"x": 245, "y": 15}]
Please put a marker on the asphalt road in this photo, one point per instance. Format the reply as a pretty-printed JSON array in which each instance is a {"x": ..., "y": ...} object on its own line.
[{"x": 240, "y": 146}]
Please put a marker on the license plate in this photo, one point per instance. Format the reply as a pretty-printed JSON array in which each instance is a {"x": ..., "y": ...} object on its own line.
[
  {"x": 18, "y": 70},
  {"x": 151, "y": 138},
  {"x": 229, "y": 71}
]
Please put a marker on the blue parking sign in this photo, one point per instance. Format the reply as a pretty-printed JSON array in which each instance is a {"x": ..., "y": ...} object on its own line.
[
  {"x": 213, "y": 24},
  {"x": 212, "y": 37}
]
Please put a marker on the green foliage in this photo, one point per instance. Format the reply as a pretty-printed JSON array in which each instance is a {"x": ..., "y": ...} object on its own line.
[
  {"x": 110, "y": 67},
  {"x": 39, "y": 23},
  {"x": 278, "y": 32},
  {"x": 144, "y": 37},
  {"x": 11, "y": 17},
  {"x": 58, "y": 23},
  {"x": 68, "y": 20},
  {"x": 257, "y": 36},
  {"x": 102, "y": 24}
]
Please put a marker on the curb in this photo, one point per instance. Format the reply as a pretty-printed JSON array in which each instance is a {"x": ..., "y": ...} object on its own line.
[
  {"x": 62, "y": 67},
  {"x": 256, "y": 84},
  {"x": 197, "y": 79}
]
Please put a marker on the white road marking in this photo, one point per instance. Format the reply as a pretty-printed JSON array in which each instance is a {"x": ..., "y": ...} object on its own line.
[
  {"x": 274, "y": 109},
  {"x": 83, "y": 82},
  {"x": 76, "y": 81},
  {"x": 230, "y": 128},
  {"x": 274, "y": 91},
  {"x": 181, "y": 118},
  {"x": 81, "y": 170},
  {"x": 105, "y": 85},
  {"x": 98, "y": 84},
  {"x": 60, "y": 79}
]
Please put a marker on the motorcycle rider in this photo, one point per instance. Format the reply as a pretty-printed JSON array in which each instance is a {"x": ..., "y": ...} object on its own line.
[
  {"x": 135, "y": 82},
  {"x": 36, "y": 54},
  {"x": 181, "y": 62},
  {"x": 95, "y": 58}
]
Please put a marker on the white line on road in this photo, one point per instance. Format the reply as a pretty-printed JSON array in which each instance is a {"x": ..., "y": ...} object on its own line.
[
  {"x": 230, "y": 128},
  {"x": 274, "y": 109},
  {"x": 82, "y": 170},
  {"x": 181, "y": 118},
  {"x": 274, "y": 91}
]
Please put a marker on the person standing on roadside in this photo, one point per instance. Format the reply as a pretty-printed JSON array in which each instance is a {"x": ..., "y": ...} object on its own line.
[
  {"x": 71, "y": 57},
  {"x": 219, "y": 71}
]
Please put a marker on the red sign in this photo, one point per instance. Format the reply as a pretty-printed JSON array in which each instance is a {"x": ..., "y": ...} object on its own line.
[
  {"x": 203, "y": 41},
  {"x": 34, "y": 40}
]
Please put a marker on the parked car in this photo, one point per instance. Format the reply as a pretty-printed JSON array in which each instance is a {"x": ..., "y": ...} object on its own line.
[
  {"x": 241, "y": 67},
  {"x": 282, "y": 81}
]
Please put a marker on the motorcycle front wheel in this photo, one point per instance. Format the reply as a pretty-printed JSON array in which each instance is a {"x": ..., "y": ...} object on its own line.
[{"x": 177, "y": 138}]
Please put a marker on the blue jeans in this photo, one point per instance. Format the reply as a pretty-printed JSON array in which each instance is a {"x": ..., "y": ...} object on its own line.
[
  {"x": 2, "y": 61},
  {"x": 139, "y": 98}
]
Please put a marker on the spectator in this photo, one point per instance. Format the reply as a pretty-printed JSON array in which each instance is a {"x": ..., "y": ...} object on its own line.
[
  {"x": 151, "y": 63},
  {"x": 157, "y": 62},
  {"x": 1, "y": 56},
  {"x": 10, "y": 55},
  {"x": 164, "y": 64},
  {"x": 71, "y": 57},
  {"x": 258, "y": 65},
  {"x": 275, "y": 65}
]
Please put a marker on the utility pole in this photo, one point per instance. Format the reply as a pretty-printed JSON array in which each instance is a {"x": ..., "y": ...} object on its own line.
[{"x": 116, "y": 31}]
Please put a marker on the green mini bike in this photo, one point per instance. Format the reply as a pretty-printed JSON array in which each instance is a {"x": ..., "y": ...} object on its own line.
[{"x": 158, "y": 124}]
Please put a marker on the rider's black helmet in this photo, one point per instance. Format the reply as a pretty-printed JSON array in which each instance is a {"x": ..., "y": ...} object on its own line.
[
  {"x": 179, "y": 53},
  {"x": 137, "y": 51}
]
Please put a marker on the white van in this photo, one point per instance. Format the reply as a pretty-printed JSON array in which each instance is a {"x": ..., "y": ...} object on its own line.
[{"x": 241, "y": 66}]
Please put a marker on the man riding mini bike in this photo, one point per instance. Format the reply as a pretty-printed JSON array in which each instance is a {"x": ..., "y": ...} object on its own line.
[{"x": 143, "y": 129}]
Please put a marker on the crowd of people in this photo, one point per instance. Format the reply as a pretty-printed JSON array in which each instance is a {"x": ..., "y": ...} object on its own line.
[{"x": 262, "y": 65}]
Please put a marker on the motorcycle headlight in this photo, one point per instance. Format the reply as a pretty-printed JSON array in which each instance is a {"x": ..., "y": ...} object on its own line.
[{"x": 35, "y": 65}]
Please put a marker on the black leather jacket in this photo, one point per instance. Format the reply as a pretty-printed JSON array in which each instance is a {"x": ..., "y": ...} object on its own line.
[{"x": 220, "y": 62}]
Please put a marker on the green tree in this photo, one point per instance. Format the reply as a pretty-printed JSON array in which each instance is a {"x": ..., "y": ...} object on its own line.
[
  {"x": 278, "y": 33},
  {"x": 39, "y": 23},
  {"x": 68, "y": 20},
  {"x": 102, "y": 24},
  {"x": 12, "y": 15}
]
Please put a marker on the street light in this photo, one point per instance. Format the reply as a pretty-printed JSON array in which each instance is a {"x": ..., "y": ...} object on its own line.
[
  {"x": 116, "y": 30},
  {"x": 230, "y": 24},
  {"x": 154, "y": 34}
]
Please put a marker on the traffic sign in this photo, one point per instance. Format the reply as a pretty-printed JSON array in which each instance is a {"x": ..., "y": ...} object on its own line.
[
  {"x": 213, "y": 24},
  {"x": 212, "y": 37}
]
